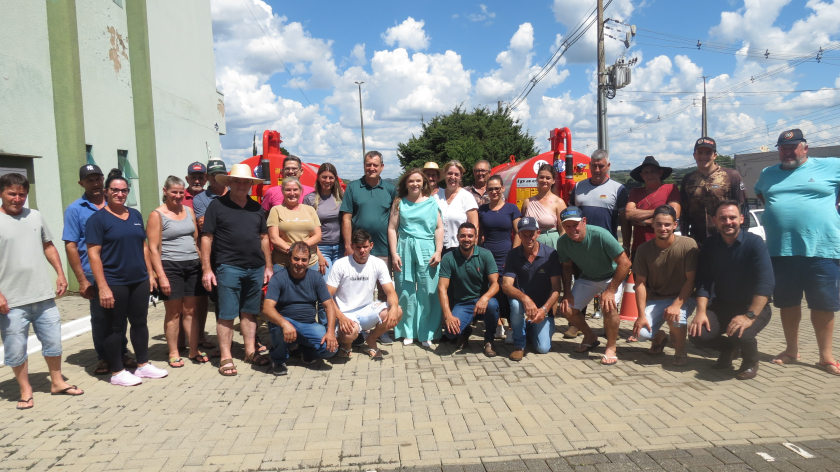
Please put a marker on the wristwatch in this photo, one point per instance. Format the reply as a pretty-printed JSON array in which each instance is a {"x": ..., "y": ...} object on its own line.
[{"x": 750, "y": 315}]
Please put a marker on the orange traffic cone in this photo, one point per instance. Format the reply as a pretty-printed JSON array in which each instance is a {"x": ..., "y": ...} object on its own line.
[{"x": 628, "y": 310}]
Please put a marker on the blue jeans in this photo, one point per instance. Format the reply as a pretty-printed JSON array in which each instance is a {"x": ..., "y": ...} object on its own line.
[
  {"x": 98, "y": 328},
  {"x": 309, "y": 337},
  {"x": 331, "y": 254},
  {"x": 464, "y": 312},
  {"x": 540, "y": 333},
  {"x": 14, "y": 328}
]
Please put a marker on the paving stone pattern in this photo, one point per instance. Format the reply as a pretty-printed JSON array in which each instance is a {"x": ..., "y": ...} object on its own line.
[{"x": 431, "y": 409}]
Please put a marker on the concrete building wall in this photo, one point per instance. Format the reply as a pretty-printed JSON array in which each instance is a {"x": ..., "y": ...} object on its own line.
[
  {"x": 27, "y": 126},
  {"x": 187, "y": 108},
  {"x": 106, "y": 83}
]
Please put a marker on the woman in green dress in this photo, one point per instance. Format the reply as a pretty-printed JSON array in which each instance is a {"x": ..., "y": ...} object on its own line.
[{"x": 415, "y": 238}]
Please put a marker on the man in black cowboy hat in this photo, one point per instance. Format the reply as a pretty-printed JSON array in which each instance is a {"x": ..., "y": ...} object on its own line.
[
  {"x": 643, "y": 201},
  {"x": 702, "y": 190}
]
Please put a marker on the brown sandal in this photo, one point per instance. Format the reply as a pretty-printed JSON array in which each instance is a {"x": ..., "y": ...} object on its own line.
[
  {"x": 256, "y": 359},
  {"x": 102, "y": 368},
  {"x": 227, "y": 368}
]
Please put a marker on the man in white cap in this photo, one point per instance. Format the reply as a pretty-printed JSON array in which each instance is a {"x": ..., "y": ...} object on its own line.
[
  {"x": 236, "y": 234},
  {"x": 604, "y": 265}
]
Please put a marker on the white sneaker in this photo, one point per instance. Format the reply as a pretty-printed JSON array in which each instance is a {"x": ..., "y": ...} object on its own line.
[
  {"x": 427, "y": 344},
  {"x": 408, "y": 342},
  {"x": 509, "y": 337},
  {"x": 385, "y": 339},
  {"x": 125, "y": 379},
  {"x": 500, "y": 332},
  {"x": 149, "y": 371}
]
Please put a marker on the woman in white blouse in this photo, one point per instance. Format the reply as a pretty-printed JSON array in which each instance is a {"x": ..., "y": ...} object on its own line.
[{"x": 457, "y": 205}]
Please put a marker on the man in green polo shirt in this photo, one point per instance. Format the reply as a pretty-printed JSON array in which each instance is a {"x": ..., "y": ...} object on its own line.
[
  {"x": 474, "y": 282},
  {"x": 367, "y": 205}
]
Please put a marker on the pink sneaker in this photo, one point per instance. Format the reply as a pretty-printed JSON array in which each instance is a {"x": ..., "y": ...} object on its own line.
[
  {"x": 149, "y": 371},
  {"x": 125, "y": 379}
]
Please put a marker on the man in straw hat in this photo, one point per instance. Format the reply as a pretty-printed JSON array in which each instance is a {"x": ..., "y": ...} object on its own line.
[
  {"x": 235, "y": 232},
  {"x": 803, "y": 238},
  {"x": 432, "y": 172}
]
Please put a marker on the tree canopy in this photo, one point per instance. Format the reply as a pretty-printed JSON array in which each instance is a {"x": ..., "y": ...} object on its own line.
[{"x": 468, "y": 137}]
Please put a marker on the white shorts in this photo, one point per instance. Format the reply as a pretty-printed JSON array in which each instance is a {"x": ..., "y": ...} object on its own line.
[
  {"x": 583, "y": 291},
  {"x": 367, "y": 317}
]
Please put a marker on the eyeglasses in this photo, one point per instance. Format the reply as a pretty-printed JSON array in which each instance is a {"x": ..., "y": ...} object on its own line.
[
  {"x": 480, "y": 171},
  {"x": 119, "y": 190},
  {"x": 494, "y": 189}
]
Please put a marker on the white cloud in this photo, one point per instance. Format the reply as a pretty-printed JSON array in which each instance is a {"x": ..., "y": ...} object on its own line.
[
  {"x": 408, "y": 34},
  {"x": 571, "y": 12},
  {"x": 484, "y": 15},
  {"x": 358, "y": 54},
  {"x": 753, "y": 25},
  {"x": 240, "y": 43}
]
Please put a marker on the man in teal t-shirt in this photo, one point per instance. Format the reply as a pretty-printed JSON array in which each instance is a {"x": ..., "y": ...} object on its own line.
[
  {"x": 803, "y": 239},
  {"x": 603, "y": 265},
  {"x": 367, "y": 205}
]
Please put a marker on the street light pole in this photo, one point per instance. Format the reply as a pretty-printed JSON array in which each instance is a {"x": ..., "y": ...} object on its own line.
[
  {"x": 705, "y": 118},
  {"x": 362, "y": 118}
]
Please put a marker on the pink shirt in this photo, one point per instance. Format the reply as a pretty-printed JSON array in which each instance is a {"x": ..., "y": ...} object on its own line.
[{"x": 274, "y": 196}]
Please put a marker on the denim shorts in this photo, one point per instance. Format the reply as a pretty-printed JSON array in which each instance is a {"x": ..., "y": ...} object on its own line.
[
  {"x": 240, "y": 290},
  {"x": 655, "y": 313},
  {"x": 818, "y": 278},
  {"x": 14, "y": 328}
]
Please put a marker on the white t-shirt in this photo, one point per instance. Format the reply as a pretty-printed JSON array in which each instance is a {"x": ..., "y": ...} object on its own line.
[
  {"x": 355, "y": 282},
  {"x": 453, "y": 214}
]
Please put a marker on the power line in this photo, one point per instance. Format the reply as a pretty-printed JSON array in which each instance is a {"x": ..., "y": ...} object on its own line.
[
  {"x": 326, "y": 125},
  {"x": 736, "y": 94},
  {"x": 723, "y": 93},
  {"x": 580, "y": 29}
]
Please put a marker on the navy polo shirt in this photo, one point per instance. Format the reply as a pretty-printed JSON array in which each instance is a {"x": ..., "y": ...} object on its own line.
[
  {"x": 75, "y": 219},
  {"x": 533, "y": 278},
  {"x": 731, "y": 275}
]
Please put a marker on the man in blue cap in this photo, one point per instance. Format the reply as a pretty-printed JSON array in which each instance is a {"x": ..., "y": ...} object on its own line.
[
  {"x": 532, "y": 282},
  {"x": 803, "y": 239},
  {"x": 604, "y": 265}
]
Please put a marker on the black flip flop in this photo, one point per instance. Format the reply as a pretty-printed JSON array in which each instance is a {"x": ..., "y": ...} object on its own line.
[
  {"x": 66, "y": 392},
  {"x": 26, "y": 401},
  {"x": 588, "y": 347}
]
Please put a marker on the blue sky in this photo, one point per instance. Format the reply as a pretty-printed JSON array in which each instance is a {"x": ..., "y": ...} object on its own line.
[{"x": 422, "y": 58}]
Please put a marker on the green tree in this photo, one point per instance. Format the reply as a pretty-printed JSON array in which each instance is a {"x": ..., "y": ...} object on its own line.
[
  {"x": 468, "y": 137},
  {"x": 725, "y": 161}
]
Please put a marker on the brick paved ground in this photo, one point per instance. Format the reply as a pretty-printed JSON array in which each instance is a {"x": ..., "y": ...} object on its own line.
[{"x": 431, "y": 410}]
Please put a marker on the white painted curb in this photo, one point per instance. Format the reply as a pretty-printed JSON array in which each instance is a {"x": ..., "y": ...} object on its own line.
[{"x": 71, "y": 329}]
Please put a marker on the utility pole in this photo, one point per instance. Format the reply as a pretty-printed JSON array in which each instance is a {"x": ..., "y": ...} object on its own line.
[
  {"x": 362, "y": 118},
  {"x": 705, "y": 118},
  {"x": 603, "y": 140}
]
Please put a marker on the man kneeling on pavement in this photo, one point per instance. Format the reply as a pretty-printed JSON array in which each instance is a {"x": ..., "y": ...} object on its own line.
[
  {"x": 604, "y": 266},
  {"x": 532, "y": 282},
  {"x": 734, "y": 281},
  {"x": 664, "y": 270},
  {"x": 290, "y": 309},
  {"x": 351, "y": 283},
  {"x": 471, "y": 275}
]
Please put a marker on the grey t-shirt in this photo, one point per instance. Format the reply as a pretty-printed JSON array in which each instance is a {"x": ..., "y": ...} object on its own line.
[
  {"x": 328, "y": 214},
  {"x": 24, "y": 276}
]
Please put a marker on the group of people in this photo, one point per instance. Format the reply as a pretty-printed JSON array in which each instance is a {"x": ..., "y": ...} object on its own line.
[{"x": 443, "y": 256}]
